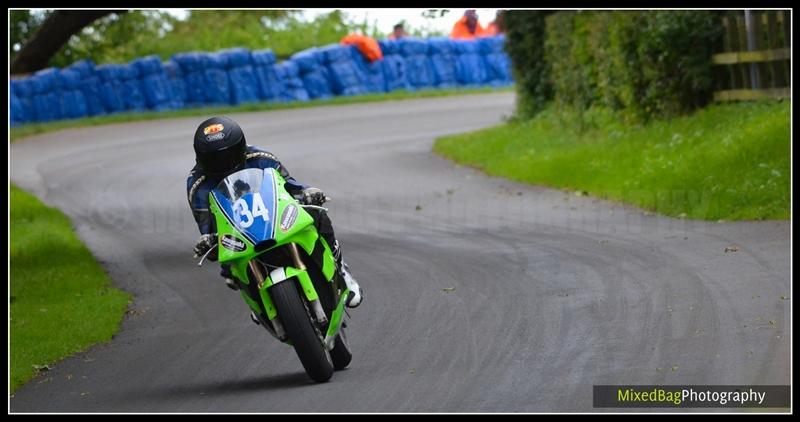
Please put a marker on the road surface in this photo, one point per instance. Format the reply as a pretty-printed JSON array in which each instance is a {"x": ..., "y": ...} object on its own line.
[{"x": 481, "y": 294}]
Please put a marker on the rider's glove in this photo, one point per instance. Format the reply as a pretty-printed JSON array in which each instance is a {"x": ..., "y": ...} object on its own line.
[
  {"x": 313, "y": 196},
  {"x": 204, "y": 243}
]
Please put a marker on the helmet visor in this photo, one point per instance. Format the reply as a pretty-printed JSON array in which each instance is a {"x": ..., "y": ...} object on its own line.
[{"x": 222, "y": 162}]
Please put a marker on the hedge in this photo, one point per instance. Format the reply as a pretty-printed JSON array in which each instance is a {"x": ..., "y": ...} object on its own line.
[{"x": 643, "y": 64}]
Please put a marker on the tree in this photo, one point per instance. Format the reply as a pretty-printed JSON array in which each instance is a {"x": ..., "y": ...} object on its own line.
[
  {"x": 525, "y": 36},
  {"x": 22, "y": 25},
  {"x": 117, "y": 38},
  {"x": 53, "y": 33}
]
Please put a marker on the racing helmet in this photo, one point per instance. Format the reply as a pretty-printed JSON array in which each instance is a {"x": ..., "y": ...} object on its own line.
[{"x": 220, "y": 147}]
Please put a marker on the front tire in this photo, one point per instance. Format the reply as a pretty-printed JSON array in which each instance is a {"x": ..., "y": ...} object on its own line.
[{"x": 301, "y": 331}]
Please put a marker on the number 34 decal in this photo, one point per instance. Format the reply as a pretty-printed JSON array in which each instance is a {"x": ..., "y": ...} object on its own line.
[{"x": 246, "y": 217}]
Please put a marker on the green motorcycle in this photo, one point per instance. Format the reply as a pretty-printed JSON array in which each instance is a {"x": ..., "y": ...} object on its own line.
[{"x": 285, "y": 269}]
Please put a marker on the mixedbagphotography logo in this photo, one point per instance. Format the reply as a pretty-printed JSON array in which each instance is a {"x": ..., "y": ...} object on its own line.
[{"x": 686, "y": 396}]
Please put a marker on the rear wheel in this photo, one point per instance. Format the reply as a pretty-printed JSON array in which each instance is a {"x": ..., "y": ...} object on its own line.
[
  {"x": 340, "y": 354},
  {"x": 305, "y": 336}
]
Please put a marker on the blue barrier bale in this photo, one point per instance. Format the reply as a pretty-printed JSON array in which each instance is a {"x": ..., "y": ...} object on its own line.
[
  {"x": 47, "y": 93},
  {"x": 85, "y": 68},
  {"x": 388, "y": 47},
  {"x": 465, "y": 46},
  {"x": 440, "y": 45},
  {"x": 443, "y": 62},
  {"x": 496, "y": 61},
  {"x": 290, "y": 79},
  {"x": 15, "y": 106},
  {"x": 72, "y": 100},
  {"x": 317, "y": 83},
  {"x": 307, "y": 60},
  {"x": 148, "y": 65},
  {"x": 315, "y": 77},
  {"x": 412, "y": 47},
  {"x": 372, "y": 73},
  {"x": 217, "y": 88},
  {"x": 241, "y": 76},
  {"x": 418, "y": 66},
  {"x": 191, "y": 64},
  {"x": 133, "y": 91},
  {"x": 23, "y": 87},
  {"x": 270, "y": 85},
  {"x": 346, "y": 78},
  {"x": 237, "y": 57},
  {"x": 470, "y": 68},
  {"x": 263, "y": 57},
  {"x": 155, "y": 85},
  {"x": 191, "y": 61},
  {"x": 484, "y": 45},
  {"x": 177, "y": 84},
  {"x": 394, "y": 66},
  {"x": 90, "y": 86},
  {"x": 157, "y": 92},
  {"x": 47, "y": 106},
  {"x": 111, "y": 91},
  {"x": 46, "y": 80},
  {"x": 333, "y": 53},
  {"x": 17, "y": 113},
  {"x": 24, "y": 91}
]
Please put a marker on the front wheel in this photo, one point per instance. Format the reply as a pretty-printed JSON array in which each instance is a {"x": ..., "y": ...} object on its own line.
[{"x": 302, "y": 332}]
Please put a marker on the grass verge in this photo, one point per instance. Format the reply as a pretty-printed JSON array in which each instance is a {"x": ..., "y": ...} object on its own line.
[
  {"x": 727, "y": 161},
  {"x": 30, "y": 129},
  {"x": 61, "y": 300}
]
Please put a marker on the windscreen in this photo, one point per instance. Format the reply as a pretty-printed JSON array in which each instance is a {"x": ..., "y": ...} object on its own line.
[{"x": 248, "y": 199}]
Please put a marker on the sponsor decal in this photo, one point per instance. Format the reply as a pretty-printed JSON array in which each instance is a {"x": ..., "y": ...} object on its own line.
[
  {"x": 215, "y": 137},
  {"x": 208, "y": 130},
  {"x": 233, "y": 243},
  {"x": 288, "y": 217}
]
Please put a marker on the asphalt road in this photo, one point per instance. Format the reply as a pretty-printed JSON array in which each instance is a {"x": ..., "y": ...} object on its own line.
[{"x": 482, "y": 295}]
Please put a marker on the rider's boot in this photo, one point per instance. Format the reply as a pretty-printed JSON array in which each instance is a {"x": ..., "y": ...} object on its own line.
[
  {"x": 355, "y": 295},
  {"x": 354, "y": 298}
]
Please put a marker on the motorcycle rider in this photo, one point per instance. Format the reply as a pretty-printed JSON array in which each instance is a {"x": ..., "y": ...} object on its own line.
[{"x": 220, "y": 150}]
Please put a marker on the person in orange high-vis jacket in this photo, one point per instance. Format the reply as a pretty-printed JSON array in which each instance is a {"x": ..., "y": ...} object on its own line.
[
  {"x": 366, "y": 45},
  {"x": 468, "y": 27},
  {"x": 496, "y": 27}
]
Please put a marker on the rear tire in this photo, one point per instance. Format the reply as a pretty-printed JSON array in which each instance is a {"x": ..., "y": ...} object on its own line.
[
  {"x": 301, "y": 331},
  {"x": 340, "y": 354}
]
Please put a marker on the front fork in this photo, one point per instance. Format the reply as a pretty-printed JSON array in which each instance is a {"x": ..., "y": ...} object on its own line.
[
  {"x": 274, "y": 325},
  {"x": 283, "y": 273},
  {"x": 308, "y": 286},
  {"x": 336, "y": 315},
  {"x": 299, "y": 271}
]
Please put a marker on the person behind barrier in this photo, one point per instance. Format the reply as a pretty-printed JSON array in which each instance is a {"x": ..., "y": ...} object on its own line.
[
  {"x": 496, "y": 27},
  {"x": 398, "y": 32},
  {"x": 468, "y": 27},
  {"x": 368, "y": 47}
]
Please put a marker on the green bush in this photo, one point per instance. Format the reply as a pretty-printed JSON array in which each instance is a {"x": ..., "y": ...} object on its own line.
[
  {"x": 525, "y": 46},
  {"x": 641, "y": 64},
  {"x": 567, "y": 80},
  {"x": 674, "y": 49},
  {"x": 626, "y": 82}
]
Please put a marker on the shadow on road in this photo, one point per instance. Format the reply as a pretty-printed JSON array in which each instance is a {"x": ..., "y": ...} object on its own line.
[{"x": 218, "y": 389}]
